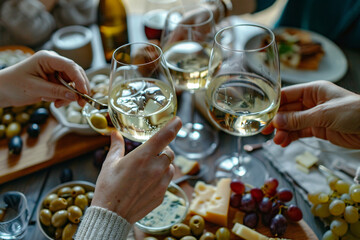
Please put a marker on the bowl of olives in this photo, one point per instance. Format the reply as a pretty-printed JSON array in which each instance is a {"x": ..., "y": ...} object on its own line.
[
  {"x": 171, "y": 211},
  {"x": 60, "y": 210}
]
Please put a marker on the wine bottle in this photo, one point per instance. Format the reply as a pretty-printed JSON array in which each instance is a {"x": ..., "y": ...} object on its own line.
[{"x": 112, "y": 25}]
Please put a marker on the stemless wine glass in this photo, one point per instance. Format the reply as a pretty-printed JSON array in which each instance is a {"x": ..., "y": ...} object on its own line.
[
  {"x": 243, "y": 92},
  {"x": 142, "y": 95},
  {"x": 155, "y": 15},
  {"x": 186, "y": 40}
]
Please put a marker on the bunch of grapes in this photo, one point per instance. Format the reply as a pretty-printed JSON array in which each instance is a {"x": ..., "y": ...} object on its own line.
[
  {"x": 340, "y": 208},
  {"x": 267, "y": 203}
]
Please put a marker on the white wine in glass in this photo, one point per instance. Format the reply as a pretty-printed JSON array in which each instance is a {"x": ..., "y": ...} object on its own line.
[
  {"x": 142, "y": 96},
  {"x": 243, "y": 94},
  {"x": 187, "y": 40}
]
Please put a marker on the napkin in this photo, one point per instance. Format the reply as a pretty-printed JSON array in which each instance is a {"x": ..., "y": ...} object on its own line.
[{"x": 328, "y": 154}]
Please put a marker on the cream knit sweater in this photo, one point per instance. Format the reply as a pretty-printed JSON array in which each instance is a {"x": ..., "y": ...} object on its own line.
[{"x": 101, "y": 224}]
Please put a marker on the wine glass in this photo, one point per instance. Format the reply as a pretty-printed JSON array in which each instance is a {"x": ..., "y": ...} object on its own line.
[
  {"x": 155, "y": 15},
  {"x": 243, "y": 92},
  {"x": 186, "y": 40},
  {"x": 142, "y": 96}
]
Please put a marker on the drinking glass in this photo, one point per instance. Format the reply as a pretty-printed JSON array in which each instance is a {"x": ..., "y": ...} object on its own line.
[
  {"x": 15, "y": 215},
  {"x": 142, "y": 95},
  {"x": 243, "y": 92},
  {"x": 186, "y": 40},
  {"x": 155, "y": 15}
]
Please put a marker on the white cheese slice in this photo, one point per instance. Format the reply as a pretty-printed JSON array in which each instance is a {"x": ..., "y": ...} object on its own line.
[
  {"x": 306, "y": 159},
  {"x": 247, "y": 233}
]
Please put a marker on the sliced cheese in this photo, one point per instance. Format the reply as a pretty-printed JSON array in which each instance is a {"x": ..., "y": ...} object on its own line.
[
  {"x": 202, "y": 195},
  {"x": 302, "y": 168},
  {"x": 218, "y": 207},
  {"x": 306, "y": 159},
  {"x": 187, "y": 166},
  {"x": 247, "y": 233}
]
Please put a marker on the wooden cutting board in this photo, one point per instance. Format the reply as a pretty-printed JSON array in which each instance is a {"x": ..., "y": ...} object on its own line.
[
  {"x": 294, "y": 231},
  {"x": 37, "y": 153}
]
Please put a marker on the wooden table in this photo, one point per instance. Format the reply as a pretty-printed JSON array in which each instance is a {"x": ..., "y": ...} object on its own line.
[{"x": 35, "y": 185}]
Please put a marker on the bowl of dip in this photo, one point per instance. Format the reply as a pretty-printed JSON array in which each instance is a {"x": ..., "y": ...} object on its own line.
[{"x": 172, "y": 210}]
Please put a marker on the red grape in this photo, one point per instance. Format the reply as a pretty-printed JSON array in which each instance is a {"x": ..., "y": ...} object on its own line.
[
  {"x": 257, "y": 194},
  {"x": 278, "y": 225},
  {"x": 284, "y": 195},
  {"x": 265, "y": 205},
  {"x": 237, "y": 186},
  {"x": 251, "y": 220},
  {"x": 248, "y": 204},
  {"x": 270, "y": 186},
  {"x": 293, "y": 213},
  {"x": 235, "y": 200}
]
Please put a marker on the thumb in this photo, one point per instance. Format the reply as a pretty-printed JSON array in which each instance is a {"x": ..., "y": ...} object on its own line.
[
  {"x": 296, "y": 120},
  {"x": 117, "y": 147}
]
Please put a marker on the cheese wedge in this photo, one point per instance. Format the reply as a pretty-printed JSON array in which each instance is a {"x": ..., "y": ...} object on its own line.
[
  {"x": 187, "y": 167},
  {"x": 202, "y": 195},
  {"x": 247, "y": 233},
  {"x": 218, "y": 207},
  {"x": 306, "y": 159}
]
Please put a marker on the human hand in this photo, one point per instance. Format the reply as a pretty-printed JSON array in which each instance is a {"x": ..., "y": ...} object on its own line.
[
  {"x": 319, "y": 109},
  {"x": 135, "y": 184},
  {"x": 32, "y": 81}
]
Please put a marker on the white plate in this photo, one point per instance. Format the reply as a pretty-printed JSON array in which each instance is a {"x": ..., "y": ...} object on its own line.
[{"x": 333, "y": 65}]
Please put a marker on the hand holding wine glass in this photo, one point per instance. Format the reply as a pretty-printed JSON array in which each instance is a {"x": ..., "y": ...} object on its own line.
[
  {"x": 243, "y": 93},
  {"x": 142, "y": 96}
]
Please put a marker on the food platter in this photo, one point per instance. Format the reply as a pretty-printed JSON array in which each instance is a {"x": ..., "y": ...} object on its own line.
[{"x": 333, "y": 65}]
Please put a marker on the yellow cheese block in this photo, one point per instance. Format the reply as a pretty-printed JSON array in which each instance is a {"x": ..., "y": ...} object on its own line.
[
  {"x": 202, "y": 195},
  {"x": 218, "y": 207},
  {"x": 247, "y": 233},
  {"x": 306, "y": 159},
  {"x": 187, "y": 166}
]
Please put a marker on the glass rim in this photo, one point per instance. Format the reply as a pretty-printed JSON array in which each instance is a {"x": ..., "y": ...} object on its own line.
[
  {"x": 23, "y": 197},
  {"x": 138, "y": 43},
  {"x": 188, "y": 6},
  {"x": 245, "y": 50}
]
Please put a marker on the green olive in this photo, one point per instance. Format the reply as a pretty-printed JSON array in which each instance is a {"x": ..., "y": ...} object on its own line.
[
  {"x": 70, "y": 201},
  {"x": 64, "y": 192},
  {"x": 180, "y": 230},
  {"x": 50, "y": 231},
  {"x": 98, "y": 121},
  {"x": 69, "y": 231},
  {"x": 188, "y": 238},
  {"x": 58, "y": 204},
  {"x": 59, "y": 218},
  {"x": 90, "y": 196},
  {"x": 207, "y": 236},
  {"x": 197, "y": 225},
  {"x": 58, "y": 233},
  {"x": 77, "y": 190},
  {"x": 13, "y": 129},
  {"x": 150, "y": 238},
  {"x": 45, "y": 217},
  {"x": 22, "y": 118},
  {"x": 48, "y": 199},
  {"x": 81, "y": 201},
  {"x": 74, "y": 214},
  {"x": 7, "y": 118},
  {"x": 223, "y": 233},
  {"x": 169, "y": 238},
  {"x": 2, "y": 130}
]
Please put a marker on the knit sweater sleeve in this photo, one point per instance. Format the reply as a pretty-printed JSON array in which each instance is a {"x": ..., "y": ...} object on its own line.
[{"x": 100, "y": 224}]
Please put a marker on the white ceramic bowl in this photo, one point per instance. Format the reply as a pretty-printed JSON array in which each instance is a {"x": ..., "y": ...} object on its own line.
[{"x": 88, "y": 186}]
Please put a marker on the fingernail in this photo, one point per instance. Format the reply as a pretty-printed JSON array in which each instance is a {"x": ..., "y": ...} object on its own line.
[
  {"x": 71, "y": 96},
  {"x": 280, "y": 121}
]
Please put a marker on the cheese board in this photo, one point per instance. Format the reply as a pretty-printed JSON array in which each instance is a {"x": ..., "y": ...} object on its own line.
[
  {"x": 37, "y": 153},
  {"x": 299, "y": 230}
]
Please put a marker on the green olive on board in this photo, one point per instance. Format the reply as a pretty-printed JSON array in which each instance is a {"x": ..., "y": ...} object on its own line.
[
  {"x": 45, "y": 217},
  {"x": 13, "y": 129},
  {"x": 64, "y": 192},
  {"x": 48, "y": 199},
  {"x": 58, "y": 233},
  {"x": 197, "y": 225},
  {"x": 58, "y": 204},
  {"x": 81, "y": 201},
  {"x": 69, "y": 231},
  {"x": 74, "y": 214},
  {"x": 207, "y": 236},
  {"x": 188, "y": 238},
  {"x": 77, "y": 190},
  {"x": 180, "y": 230},
  {"x": 223, "y": 233}
]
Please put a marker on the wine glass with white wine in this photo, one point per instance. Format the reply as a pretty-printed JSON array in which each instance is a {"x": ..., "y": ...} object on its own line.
[
  {"x": 142, "y": 96},
  {"x": 186, "y": 40},
  {"x": 243, "y": 93}
]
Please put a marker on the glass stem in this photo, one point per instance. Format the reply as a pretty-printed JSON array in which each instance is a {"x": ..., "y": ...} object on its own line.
[
  {"x": 192, "y": 108},
  {"x": 240, "y": 170}
]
